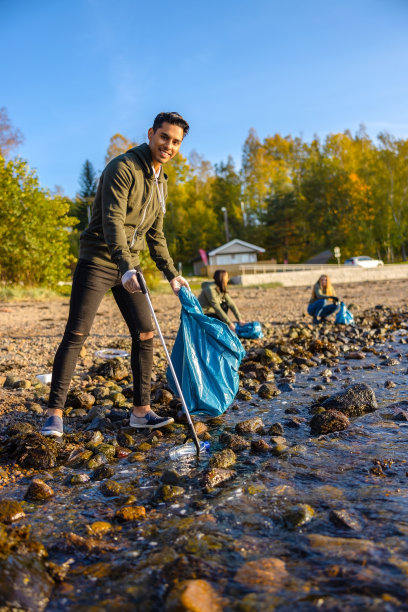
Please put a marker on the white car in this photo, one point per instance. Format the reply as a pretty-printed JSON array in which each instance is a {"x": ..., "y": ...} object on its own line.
[{"x": 364, "y": 262}]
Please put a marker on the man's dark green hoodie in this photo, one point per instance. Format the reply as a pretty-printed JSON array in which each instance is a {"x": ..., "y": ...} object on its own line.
[{"x": 129, "y": 206}]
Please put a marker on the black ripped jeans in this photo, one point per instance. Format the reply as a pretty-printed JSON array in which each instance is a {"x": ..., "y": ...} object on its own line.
[{"x": 90, "y": 283}]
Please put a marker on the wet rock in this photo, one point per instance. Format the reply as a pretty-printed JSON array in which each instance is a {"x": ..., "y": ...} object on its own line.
[
  {"x": 118, "y": 399},
  {"x": 10, "y": 511},
  {"x": 276, "y": 429},
  {"x": 125, "y": 439},
  {"x": 101, "y": 392},
  {"x": 328, "y": 421},
  {"x": 171, "y": 477},
  {"x": 217, "y": 476},
  {"x": 390, "y": 362},
  {"x": 107, "y": 449},
  {"x": 234, "y": 442},
  {"x": 82, "y": 400},
  {"x": 168, "y": 492},
  {"x": 38, "y": 490},
  {"x": 250, "y": 425},
  {"x": 102, "y": 472},
  {"x": 96, "y": 437},
  {"x": 111, "y": 488},
  {"x": 193, "y": 596},
  {"x": 87, "y": 545},
  {"x": 285, "y": 387},
  {"x": 99, "y": 528},
  {"x": 10, "y": 381},
  {"x": 355, "y": 401},
  {"x": 292, "y": 410},
  {"x": 279, "y": 449},
  {"x": 100, "y": 424},
  {"x": 389, "y": 384},
  {"x": 268, "y": 390},
  {"x": 268, "y": 574},
  {"x": 25, "y": 583},
  {"x": 398, "y": 411},
  {"x": 216, "y": 421},
  {"x": 163, "y": 396},
  {"x": 130, "y": 514},
  {"x": 298, "y": 515},
  {"x": 96, "y": 412},
  {"x": 345, "y": 548},
  {"x": 96, "y": 461},
  {"x": 143, "y": 447},
  {"x": 355, "y": 355},
  {"x": 244, "y": 395},
  {"x": 116, "y": 414},
  {"x": 260, "y": 446},
  {"x": 136, "y": 457},
  {"x": 342, "y": 518},
  {"x": 201, "y": 428},
  {"x": 294, "y": 421},
  {"x": 121, "y": 453},
  {"x": 32, "y": 450},
  {"x": 269, "y": 357},
  {"x": 114, "y": 369},
  {"x": 77, "y": 479},
  {"x": 79, "y": 457},
  {"x": 223, "y": 459}
]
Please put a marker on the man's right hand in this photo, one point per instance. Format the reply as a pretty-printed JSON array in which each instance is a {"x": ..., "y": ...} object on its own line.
[
  {"x": 232, "y": 327},
  {"x": 129, "y": 281}
]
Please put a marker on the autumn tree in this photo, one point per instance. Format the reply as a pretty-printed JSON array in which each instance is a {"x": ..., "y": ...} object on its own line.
[
  {"x": 10, "y": 137},
  {"x": 118, "y": 144},
  {"x": 34, "y": 229},
  {"x": 226, "y": 193}
]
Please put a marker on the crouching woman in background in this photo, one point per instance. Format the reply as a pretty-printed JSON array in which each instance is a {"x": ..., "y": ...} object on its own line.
[
  {"x": 216, "y": 301},
  {"x": 323, "y": 302}
]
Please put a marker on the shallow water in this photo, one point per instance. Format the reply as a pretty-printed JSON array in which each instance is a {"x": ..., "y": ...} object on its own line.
[{"x": 329, "y": 566}]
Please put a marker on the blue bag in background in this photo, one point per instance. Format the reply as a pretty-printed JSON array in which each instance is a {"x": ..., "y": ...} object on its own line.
[
  {"x": 251, "y": 330},
  {"x": 206, "y": 356},
  {"x": 344, "y": 316}
]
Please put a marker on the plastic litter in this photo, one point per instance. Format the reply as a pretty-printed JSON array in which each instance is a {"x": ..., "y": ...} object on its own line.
[
  {"x": 344, "y": 316},
  {"x": 187, "y": 450},
  {"x": 111, "y": 353},
  {"x": 44, "y": 378},
  {"x": 206, "y": 357},
  {"x": 251, "y": 330}
]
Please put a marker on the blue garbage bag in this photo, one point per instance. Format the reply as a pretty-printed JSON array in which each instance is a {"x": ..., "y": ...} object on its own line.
[
  {"x": 252, "y": 330},
  {"x": 344, "y": 316},
  {"x": 206, "y": 356}
]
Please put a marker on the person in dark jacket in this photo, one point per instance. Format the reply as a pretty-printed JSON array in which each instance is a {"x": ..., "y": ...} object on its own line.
[
  {"x": 129, "y": 207},
  {"x": 323, "y": 301},
  {"x": 216, "y": 301}
]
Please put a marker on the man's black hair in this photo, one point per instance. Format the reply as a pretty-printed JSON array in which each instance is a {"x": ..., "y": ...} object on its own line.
[{"x": 173, "y": 119}]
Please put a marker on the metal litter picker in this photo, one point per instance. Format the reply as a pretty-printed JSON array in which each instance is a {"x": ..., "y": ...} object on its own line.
[{"x": 143, "y": 287}]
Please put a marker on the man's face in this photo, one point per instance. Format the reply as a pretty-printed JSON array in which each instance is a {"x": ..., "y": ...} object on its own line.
[{"x": 165, "y": 142}]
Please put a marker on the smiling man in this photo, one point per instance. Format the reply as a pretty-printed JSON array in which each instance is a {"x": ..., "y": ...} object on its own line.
[{"x": 129, "y": 207}]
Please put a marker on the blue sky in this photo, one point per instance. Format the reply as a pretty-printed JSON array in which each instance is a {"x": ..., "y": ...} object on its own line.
[{"x": 74, "y": 73}]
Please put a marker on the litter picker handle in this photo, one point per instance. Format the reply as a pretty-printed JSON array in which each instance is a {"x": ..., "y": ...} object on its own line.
[
  {"x": 143, "y": 288},
  {"x": 141, "y": 281}
]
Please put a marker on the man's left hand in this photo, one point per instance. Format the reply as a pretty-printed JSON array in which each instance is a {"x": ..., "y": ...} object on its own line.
[{"x": 177, "y": 283}]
